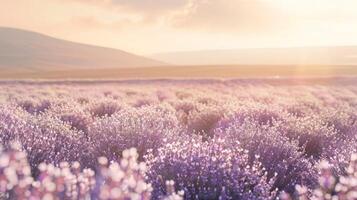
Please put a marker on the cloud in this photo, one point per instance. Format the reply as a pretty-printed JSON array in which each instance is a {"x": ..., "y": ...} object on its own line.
[
  {"x": 211, "y": 15},
  {"x": 229, "y": 15},
  {"x": 151, "y": 5},
  {"x": 91, "y": 22},
  {"x": 145, "y": 7}
]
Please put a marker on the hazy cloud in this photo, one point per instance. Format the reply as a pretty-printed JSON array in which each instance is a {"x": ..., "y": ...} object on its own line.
[
  {"x": 170, "y": 25},
  {"x": 222, "y": 15},
  {"x": 151, "y": 5},
  {"x": 229, "y": 15},
  {"x": 145, "y": 7},
  {"x": 91, "y": 23}
]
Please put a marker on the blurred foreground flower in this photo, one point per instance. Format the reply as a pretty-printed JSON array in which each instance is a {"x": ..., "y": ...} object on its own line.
[
  {"x": 330, "y": 187},
  {"x": 123, "y": 180}
]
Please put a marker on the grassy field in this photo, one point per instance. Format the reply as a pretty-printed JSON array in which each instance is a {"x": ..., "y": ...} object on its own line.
[{"x": 228, "y": 71}]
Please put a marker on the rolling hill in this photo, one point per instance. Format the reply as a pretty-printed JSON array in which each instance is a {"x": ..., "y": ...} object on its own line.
[
  {"x": 332, "y": 55},
  {"x": 23, "y": 51},
  {"x": 28, "y": 55}
]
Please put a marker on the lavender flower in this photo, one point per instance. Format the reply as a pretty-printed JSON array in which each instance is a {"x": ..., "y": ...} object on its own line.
[{"x": 207, "y": 170}]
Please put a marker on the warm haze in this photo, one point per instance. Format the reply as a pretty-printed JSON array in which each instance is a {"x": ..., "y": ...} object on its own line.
[
  {"x": 25, "y": 54},
  {"x": 178, "y": 99},
  {"x": 148, "y": 27},
  {"x": 49, "y": 38}
]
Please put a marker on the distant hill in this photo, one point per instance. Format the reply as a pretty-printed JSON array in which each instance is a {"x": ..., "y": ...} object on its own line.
[
  {"x": 333, "y": 55},
  {"x": 22, "y": 50}
]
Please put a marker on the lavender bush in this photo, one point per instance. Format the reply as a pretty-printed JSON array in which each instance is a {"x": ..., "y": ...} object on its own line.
[
  {"x": 330, "y": 186},
  {"x": 283, "y": 160},
  {"x": 215, "y": 139},
  {"x": 207, "y": 170}
]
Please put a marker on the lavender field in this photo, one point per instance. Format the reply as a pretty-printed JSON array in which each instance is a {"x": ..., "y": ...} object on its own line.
[{"x": 179, "y": 139}]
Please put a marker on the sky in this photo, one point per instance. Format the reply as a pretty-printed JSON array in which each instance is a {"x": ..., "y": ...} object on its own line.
[{"x": 153, "y": 26}]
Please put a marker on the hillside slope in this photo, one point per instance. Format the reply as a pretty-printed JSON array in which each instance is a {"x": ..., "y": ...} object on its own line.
[{"x": 25, "y": 51}]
